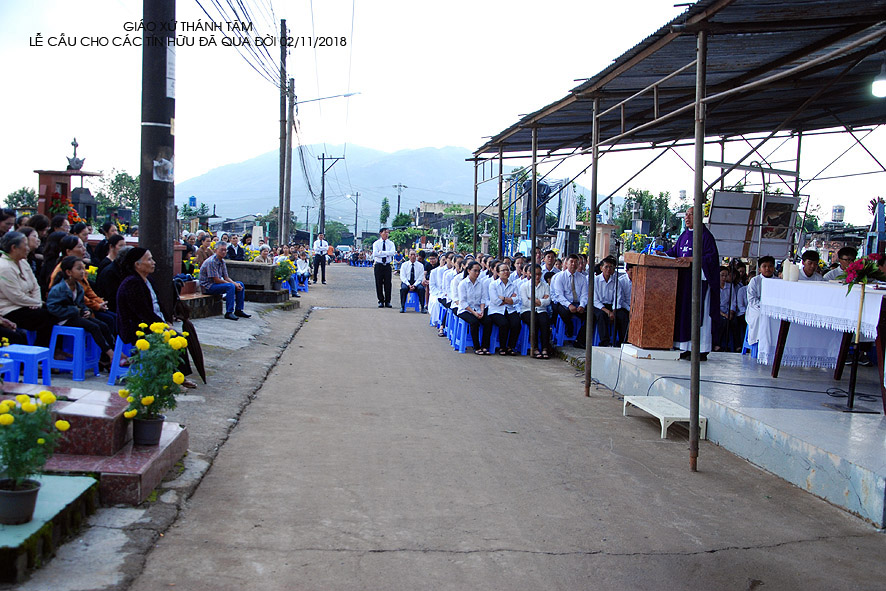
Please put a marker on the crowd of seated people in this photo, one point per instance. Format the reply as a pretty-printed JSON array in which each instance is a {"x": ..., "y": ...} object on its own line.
[{"x": 485, "y": 292}]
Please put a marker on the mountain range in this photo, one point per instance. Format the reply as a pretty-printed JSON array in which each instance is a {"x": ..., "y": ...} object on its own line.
[{"x": 427, "y": 174}]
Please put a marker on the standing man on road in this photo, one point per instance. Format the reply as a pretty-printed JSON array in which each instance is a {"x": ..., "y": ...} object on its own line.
[
  {"x": 383, "y": 251},
  {"x": 320, "y": 248}
]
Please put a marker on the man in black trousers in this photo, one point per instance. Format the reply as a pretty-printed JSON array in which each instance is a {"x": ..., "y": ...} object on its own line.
[{"x": 383, "y": 251}]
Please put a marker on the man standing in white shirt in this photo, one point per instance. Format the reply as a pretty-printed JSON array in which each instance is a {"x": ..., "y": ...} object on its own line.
[
  {"x": 412, "y": 275},
  {"x": 383, "y": 251},
  {"x": 320, "y": 249}
]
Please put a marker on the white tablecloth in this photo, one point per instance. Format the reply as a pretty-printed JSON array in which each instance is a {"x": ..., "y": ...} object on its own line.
[{"x": 819, "y": 313}]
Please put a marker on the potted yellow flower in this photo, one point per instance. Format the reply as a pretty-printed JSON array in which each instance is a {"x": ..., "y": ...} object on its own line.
[
  {"x": 153, "y": 380},
  {"x": 28, "y": 437}
]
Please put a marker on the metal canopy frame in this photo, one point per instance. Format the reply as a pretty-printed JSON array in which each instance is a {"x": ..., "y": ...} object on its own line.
[{"x": 723, "y": 68}]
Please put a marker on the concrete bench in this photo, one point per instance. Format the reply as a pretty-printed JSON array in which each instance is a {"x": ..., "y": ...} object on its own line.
[{"x": 666, "y": 411}]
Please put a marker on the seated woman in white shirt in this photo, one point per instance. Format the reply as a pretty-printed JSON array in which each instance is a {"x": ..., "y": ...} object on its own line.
[
  {"x": 472, "y": 308},
  {"x": 504, "y": 309},
  {"x": 540, "y": 308},
  {"x": 454, "y": 283}
]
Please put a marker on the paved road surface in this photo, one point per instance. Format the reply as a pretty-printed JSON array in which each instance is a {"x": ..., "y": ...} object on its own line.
[{"x": 376, "y": 458}]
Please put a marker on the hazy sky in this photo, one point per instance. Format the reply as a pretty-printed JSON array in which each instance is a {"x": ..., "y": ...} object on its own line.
[{"x": 429, "y": 74}]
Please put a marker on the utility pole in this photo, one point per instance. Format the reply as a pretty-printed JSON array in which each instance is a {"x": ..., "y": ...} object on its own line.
[
  {"x": 308, "y": 222},
  {"x": 283, "y": 131},
  {"x": 356, "y": 209},
  {"x": 286, "y": 214},
  {"x": 156, "y": 194},
  {"x": 399, "y": 187},
  {"x": 321, "y": 222}
]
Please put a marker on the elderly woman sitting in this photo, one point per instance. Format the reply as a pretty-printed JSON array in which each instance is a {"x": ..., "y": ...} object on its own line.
[
  {"x": 264, "y": 255},
  {"x": 20, "y": 301}
]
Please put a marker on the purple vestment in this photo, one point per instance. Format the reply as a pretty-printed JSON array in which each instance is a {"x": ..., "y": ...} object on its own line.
[{"x": 710, "y": 265}]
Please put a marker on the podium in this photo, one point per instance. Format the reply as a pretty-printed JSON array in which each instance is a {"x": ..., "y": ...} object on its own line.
[{"x": 653, "y": 300}]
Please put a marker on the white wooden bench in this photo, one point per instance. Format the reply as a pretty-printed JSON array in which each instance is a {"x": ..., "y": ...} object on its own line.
[{"x": 666, "y": 411}]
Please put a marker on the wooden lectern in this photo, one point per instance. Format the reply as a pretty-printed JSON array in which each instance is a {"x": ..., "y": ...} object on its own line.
[{"x": 653, "y": 300}]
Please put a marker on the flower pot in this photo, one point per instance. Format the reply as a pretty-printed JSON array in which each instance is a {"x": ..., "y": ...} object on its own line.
[
  {"x": 147, "y": 431},
  {"x": 277, "y": 285},
  {"x": 17, "y": 506}
]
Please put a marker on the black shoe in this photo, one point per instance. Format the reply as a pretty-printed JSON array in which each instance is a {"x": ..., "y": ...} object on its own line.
[
  {"x": 380, "y": 305},
  {"x": 296, "y": 296},
  {"x": 424, "y": 310},
  {"x": 242, "y": 314},
  {"x": 388, "y": 306},
  {"x": 230, "y": 316},
  {"x": 402, "y": 311},
  {"x": 703, "y": 357},
  {"x": 686, "y": 355},
  {"x": 864, "y": 361}
]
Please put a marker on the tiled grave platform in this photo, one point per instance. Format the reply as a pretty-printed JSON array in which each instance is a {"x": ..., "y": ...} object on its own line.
[
  {"x": 778, "y": 424},
  {"x": 100, "y": 443},
  {"x": 62, "y": 505}
]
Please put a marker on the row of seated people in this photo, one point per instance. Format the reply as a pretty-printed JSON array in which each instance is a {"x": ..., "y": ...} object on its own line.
[
  {"x": 63, "y": 294},
  {"x": 486, "y": 291}
]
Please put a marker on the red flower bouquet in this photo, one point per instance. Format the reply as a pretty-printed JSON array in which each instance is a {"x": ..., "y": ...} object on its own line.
[{"x": 863, "y": 270}]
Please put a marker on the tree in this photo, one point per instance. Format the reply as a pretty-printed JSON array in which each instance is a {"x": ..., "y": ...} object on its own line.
[
  {"x": 402, "y": 220},
  {"x": 270, "y": 223},
  {"x": 334, "y": 231},
  {"x": 22, "y": 198},
  {"x": 406, "y": 236},
  {"x": 118, "y": 190},
  {"x": 655, "y": 209},
  {"x": 385, "y": 212},
  {"x": 186, "y": 212}
]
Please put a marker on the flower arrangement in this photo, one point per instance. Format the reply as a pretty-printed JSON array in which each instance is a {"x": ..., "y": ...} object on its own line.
[
  {"x": 251, "y": 255},
  {"x": 28, "y": 436},
  {"x": 63, "y": 205},
  {"x": 91, "y": 273},
  {"x": 634, "y": 241},
  {"x": 284, "y": 270},
  {"x": 153, "y": 380},
  {"x": 864, "y": 271}
]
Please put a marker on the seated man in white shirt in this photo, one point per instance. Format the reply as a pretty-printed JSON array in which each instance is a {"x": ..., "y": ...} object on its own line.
[
  {"x": 845, "y": 256},
  {"x": 809, "y": 270},
  {"x": 626, "y": 283},
  {"x": 569, "y": 290},
  {"x": 606, "y": 310},
  {"x": 412, "y": 275}
]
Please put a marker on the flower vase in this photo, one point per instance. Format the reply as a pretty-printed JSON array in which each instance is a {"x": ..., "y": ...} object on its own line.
[
  {"x": 17, "y": 506},
  {"x": 147, "y": 431}
]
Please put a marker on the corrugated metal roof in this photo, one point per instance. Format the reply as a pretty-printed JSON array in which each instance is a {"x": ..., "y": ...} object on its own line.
[{"x": 748, "y": 40}]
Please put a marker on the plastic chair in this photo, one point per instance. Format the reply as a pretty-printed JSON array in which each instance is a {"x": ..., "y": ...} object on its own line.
[
  {"x": 85, "y": 353},
  {"x": 523, "y": 339},
  {"x": 559, "y": 332},
  {"x": 116, "y": 371},
  {"x": 9, "y": 370},
  {"x": 412, "y": 301},
  {"x": 748, "y": 348},
  {"x": 30, "y": 359},
  {"x": 301, "y": 283}
]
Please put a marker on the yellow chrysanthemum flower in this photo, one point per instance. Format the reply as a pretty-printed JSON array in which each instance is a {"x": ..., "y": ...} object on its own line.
[
  {"x": 62, "y": 425},
  {"x": 41, "y": 441},
  {"x": 139, "y": 333},
  {"x": 142, "y": 345},
  {"x": 7, "y": 404},
  {"x": 47, "y": 397},
  {"x": 22, "y": 398},
  {"x": 6, "y": 419},
  {"x": 142, "y": 325},
  {"x": 158, "y": 327},
  {"x": 178, "y": 377},
  {"x": 147, "y": 400},
  {"x": 130, "y": 399},
  {"x": 3, "y": 409},
  {"x": 123, "y": 392},
  {"x": 130, "y": 413},
  {"x": 185, "y": 333},
  {"x": 29, "y": 407}
]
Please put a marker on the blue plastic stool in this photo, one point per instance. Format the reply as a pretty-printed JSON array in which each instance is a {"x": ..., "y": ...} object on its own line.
[
  {"x": 285, "y": 285},
  {"x": 559, "y": 335},
  {"x": 80, "y": 345},
  {"x": 450, "y": 322},
  {"x": 523, "y": 339},
  {"x": 412, "y": 301},
  {"x": 116, "y": 371},
  {"x": 301, "y": 283},
  {"x": 747, "y": 348},
  {"x": 30, "y": 359},
  {"x": 9, "y": 370},
  {"x": 30, "y": 335}
]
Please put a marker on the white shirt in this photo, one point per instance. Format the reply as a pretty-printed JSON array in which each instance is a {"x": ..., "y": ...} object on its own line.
[
  {"x": 435, "y": 282},
  {"x": 453, "y": 287},
  {"x": 625, "y": 284},
  {"x": 445, "y": 281},
  {"x": 752, "y": 313},
  {"x": 542, "y": 293},
  {"x": 815, "y": 276},
  {"x": 833, "y": 274},
  {"x": 471, "y": 294},
  {"x": 406, "y": 268},
  {"x": 320, "y": 246},
  {"x": 728, "y": 298},
  {"x": 545, "y": 270},
  {"x": 606, "y": 292},
  {"x": 301, "y": 266},
  {"x": 498, "y": 290},
  {"x": 383, "y": 251},
  {"x": 742, "y": 300},
  {"x": 561, "y": 289}
]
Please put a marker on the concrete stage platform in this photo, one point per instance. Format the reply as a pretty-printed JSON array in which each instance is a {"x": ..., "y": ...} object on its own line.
[{"x": 779, "y": 424}]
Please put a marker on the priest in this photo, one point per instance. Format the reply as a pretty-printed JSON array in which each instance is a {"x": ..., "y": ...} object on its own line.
[{"x": 710, "y": 290}]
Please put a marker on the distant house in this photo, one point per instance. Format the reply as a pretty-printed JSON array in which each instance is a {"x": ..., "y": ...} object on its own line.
[
  {"x": 239, "y": 225},
  {"x": 441, "y": 216}
]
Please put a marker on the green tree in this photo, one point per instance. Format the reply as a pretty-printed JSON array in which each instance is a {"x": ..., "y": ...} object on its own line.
[
  {"x": 334, "y": 231},
  {"x": 655, "y": 209},
  {"x": 385, "y": 212},
  {"x": 22, "y": 198},
  {"x": 270, "y": 223},
  {"x": 406, "y": 236},
  {"x": 186, "y": 212},
  {"x": 118, "y": 190},
  {"x": 402, "y": 220}
]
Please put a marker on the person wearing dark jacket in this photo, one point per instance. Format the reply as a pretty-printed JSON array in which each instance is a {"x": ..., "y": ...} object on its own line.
[{"x": 110, "y": 277}]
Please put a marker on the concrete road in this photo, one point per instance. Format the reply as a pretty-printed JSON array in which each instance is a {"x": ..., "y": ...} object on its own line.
[{"x": 376, "y": 458}]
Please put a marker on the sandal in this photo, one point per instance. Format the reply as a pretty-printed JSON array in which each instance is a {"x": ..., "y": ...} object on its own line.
[
  {"x": 512, "y": 353},
  {"x": 544, "y": 355},
  {"x": 502, "y": 352},
  {"x": 539, "y": 356},
  {"x": 479, "y": 352}
]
